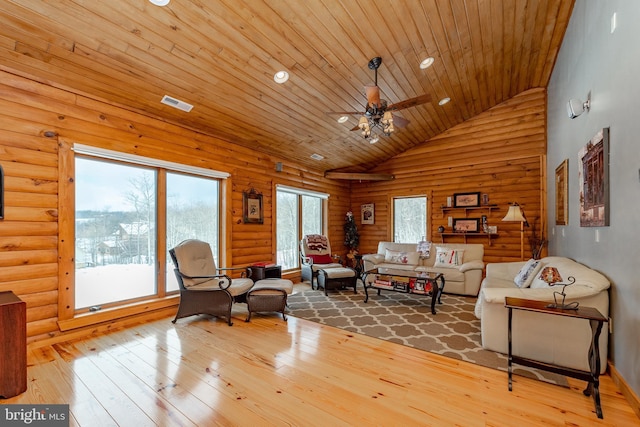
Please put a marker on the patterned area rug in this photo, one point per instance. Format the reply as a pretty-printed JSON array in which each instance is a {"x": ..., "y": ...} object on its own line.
[{"x": 406, "y": 319}]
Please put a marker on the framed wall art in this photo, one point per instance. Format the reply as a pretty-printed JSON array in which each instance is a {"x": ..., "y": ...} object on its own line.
[
  {"x": 466, "y": 225},
  {"x": 562, "y": 190},
  {"x": 252, "y": 209},
  {"x": 368, "y": 213},
  {"x": 593, "y": 178},
  {"x": 466, "y": 200}
]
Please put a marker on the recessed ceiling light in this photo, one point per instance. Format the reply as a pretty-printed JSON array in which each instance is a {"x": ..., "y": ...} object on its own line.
[
  {"x": 315, "y": 156},
  {"x": 281, "y": 77},
  {"x": 343, "y": 119},
  {"x": 160, "y": 2},
  {"x": 374, "y": 140},
  {"x": 426, "y": 63},
  {"x": 444, "y": 101}
]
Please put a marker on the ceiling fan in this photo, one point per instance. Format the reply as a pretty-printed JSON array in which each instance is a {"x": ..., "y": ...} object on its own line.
[{"x": 377, "y": 114}]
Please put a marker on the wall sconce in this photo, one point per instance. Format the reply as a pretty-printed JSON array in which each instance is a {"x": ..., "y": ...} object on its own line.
[{"x": 575, "y": 107}]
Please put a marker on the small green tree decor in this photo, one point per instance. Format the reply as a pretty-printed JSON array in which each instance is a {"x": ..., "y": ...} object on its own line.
[{"x": 351, "y": 236}]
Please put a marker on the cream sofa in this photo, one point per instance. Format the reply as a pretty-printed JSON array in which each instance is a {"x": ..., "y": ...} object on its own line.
[
  {"x": 463, "y": 279},
  {"x": 552, "y": 339}
]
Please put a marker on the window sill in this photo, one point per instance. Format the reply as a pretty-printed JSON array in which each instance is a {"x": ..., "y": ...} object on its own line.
[{"x": 138, "y": 309}]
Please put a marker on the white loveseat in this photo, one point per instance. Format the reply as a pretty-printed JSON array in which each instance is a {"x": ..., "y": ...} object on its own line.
[
  {"x": 463, "y": 279},
  {"x": 558, "y": 340}
]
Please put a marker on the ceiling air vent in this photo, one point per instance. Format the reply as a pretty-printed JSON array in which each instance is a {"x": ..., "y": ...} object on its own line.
[
  {"x": 315, "y": 156},
  {"x": 176, "y": 103}
]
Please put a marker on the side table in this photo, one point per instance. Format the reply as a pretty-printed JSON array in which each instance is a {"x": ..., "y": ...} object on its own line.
[
  {"x": 595, "y": 318},
  {"x": 271, "y": 272}
]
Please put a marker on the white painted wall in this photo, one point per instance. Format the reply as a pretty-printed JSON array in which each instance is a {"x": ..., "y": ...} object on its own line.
[{"x": 592, "y": 59}]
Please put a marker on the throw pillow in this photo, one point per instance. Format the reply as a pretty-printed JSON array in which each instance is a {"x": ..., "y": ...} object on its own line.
[
  {"x": 527, "y": 273},
  {"x": 448, "y": 258},
  {"x": 321, "y": 259},
  {"x": 397, "y": 257}
]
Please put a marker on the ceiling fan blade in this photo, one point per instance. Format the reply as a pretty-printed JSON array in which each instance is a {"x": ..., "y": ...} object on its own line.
[
  {"x": 401, "y": 122},
  {"x": 343, "y": 112},
  {"x": 373, "y": 95},
  {"x": 411, "y": 102}
]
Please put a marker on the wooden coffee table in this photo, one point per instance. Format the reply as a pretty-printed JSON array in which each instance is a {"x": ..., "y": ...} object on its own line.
[{"x": 405, "y": 281}]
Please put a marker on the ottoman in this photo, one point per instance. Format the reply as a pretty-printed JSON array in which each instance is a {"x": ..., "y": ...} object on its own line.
[
  {"x": 268, "y": 295},
  {"x": 333, "y": 278}
]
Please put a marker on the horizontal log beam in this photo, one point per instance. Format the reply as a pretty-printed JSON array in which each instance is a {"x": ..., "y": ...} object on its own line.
[{"x": 359, "y": 176}]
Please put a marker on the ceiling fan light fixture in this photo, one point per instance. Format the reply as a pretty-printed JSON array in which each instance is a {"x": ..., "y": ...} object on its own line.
[
  {"x": 281, "y": 77},
  {"x": 426, "y": 63},
  {"x": 444, "y": 101},
  {"x": 363, "y": 124},
  {"x": 387, "y": 118}
]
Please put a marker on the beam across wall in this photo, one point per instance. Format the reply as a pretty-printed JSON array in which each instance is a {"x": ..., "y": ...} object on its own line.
[{"x": 360, "y": 176}]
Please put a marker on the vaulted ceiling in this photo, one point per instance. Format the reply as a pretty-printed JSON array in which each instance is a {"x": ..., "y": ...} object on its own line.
[{"x": 221, "y": 57}]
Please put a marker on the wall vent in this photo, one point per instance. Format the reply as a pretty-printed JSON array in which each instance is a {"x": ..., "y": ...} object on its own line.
[
  {"x": 315, "y": 156},
  {"x": 176, "y": 103}
]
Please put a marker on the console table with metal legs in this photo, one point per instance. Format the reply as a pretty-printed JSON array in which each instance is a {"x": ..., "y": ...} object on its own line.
[{"x": 595, "y": 318}]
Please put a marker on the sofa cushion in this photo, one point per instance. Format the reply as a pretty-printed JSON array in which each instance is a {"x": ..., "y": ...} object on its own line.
[
  {"x": 527, "y": 273},
  {"x": 398, "y": 257},
  {"x": 448, "y": 258}
]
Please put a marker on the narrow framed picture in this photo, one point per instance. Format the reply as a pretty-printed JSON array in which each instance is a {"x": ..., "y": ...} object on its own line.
[
  {"x": 562, "y": 206},
  {"x": 466, "y": 200},
  {"x": 368, "y": 213},
  {"x": 252, "y": 209}
]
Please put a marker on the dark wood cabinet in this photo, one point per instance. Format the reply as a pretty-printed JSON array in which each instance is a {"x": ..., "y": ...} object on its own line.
[
  {"x": 13, "y": 345},
  {"x": 259, "y": 273}
]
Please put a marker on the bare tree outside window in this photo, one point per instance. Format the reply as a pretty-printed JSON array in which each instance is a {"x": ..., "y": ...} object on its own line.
[{"x": 409, "y": 219}]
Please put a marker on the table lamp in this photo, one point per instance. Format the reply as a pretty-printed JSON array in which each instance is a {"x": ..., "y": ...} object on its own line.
[{"x": 551, "y": 276}]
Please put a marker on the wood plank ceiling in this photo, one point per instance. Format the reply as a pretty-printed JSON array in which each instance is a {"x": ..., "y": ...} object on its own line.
[{"x": 221, "y": 56}]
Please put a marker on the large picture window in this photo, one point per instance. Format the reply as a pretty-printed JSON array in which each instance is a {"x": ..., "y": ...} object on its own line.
[
  {"x": 298, "y": 213},
  {"x": 122, "y": 211},
  {"x": 409, "y": 219}
]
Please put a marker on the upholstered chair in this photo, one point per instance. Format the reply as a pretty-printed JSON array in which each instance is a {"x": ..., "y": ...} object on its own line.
[
  {"x": 205, "y": 288},
  {"x": 315, "y": 255}
]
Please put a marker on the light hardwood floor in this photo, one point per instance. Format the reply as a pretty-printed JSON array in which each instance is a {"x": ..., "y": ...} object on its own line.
[{"x": 270, "y": 372}]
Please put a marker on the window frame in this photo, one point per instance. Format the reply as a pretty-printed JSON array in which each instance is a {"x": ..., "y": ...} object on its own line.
[
  {"x": 300, "y": 192},
  {"x": 428, "y": 198},
  {"x": 68, "y": 317}
]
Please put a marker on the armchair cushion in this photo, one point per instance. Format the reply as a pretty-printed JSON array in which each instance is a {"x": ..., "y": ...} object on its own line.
[{"x": 321, "y": 259}]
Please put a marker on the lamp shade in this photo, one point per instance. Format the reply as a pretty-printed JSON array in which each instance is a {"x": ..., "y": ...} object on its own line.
[
  {"x": 550, "y": 275},
  {"x": 514, "y": 214}
]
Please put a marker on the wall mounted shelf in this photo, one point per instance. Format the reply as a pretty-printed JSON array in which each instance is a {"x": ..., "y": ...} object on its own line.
[{"x": 489, "y": 236}]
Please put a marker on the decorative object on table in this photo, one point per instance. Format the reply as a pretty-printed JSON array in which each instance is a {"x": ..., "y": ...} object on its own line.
[
  {"x": 552, "y": 277},
  {"x": 516, "y": 214},
  {"x": 252, "y": 209},
  {"x": 466, "y": 200},
  {"x": 536, "y": 242},
  {"x": 367, "y": 213},
  {"x": 485, "y": 199},
  {"x": 449, "y": 201},
  {"x": 424, "y": 247},
  {"x": 562, "y": 205},
  {"x": 351, "y": 235},
  {"x": 492, "y": 229},
  {"x": 466, "y": 225},
  {"x": 441, "y": 229},
  {"x": 593, "y": 181},
  {"x": 485, "y": 226}
]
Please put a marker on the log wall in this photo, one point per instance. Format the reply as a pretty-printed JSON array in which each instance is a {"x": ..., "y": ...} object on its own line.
[
  {"x": 500, "y": 152},
  {"x": 30, "y": 260}
]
